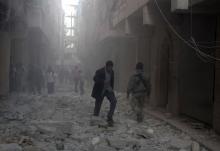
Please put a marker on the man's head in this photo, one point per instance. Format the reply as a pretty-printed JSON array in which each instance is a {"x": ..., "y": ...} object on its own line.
[
  {"x": 140, "y": 66},
  {"x": 109, "y": 66}
]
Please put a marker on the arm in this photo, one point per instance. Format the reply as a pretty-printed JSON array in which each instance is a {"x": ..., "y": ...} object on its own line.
[{"x": 97, "y": 78}]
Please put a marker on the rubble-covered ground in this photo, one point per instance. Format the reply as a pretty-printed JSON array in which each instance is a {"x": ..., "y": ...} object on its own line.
[{"x": 64, "y": 121}]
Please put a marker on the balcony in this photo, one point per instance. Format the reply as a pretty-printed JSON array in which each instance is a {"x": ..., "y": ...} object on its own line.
[{"x": 125, "y": 8}]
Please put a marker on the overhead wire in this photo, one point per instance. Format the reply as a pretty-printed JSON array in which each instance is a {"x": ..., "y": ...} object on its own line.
[
  {"x": 202, "y": 54},
  {"x": 191, "y": 30},
  {"x": 198, "y": 53},
  {"x": 195, "y": 47},
  {"x": 205, "y": 54}
]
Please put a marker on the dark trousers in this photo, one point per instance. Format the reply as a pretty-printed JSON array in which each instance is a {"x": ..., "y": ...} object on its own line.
[
  {"x": 76, "y": 83},
  {"x": 50, "y": 87},
  {"x": 98, "y": 103}
]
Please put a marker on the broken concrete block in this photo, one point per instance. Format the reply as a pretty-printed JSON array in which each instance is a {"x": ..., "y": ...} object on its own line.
[
  {"x": 10, "y": 147},
  {"x": 95, "y": 140},
  {"x": 195, "y": 146},
  {"x": 180, "y": 144},
  {"x": 150, "y": 131}
]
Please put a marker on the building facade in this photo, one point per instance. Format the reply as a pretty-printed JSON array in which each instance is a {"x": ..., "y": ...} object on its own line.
[
  {"x": 35, "y": 35},
  {"x": 176, "y": 40}
]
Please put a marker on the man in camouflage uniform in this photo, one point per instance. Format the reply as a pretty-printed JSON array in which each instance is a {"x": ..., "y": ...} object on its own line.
[{"x": 139, "y": 88}]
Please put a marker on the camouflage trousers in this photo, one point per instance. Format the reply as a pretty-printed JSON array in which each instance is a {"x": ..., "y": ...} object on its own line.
[{"x": 137, "y": 105}]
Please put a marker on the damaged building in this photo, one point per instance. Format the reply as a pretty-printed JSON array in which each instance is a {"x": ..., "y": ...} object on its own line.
[
  {"x": 31, "y": 34},
  {"x": 177, "y": 40}
]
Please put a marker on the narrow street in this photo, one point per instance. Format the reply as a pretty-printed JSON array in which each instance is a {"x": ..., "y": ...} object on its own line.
[
  {"x": 64, "y": 121},
  {"x": 60, "y": 58}
]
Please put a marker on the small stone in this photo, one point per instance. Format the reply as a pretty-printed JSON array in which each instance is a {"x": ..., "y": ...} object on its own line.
[
  {"x": 60, "y": 146},
  {"x": 95, "y": 140},
  {"x": 150, "y": 131},
  {"x": 180, "y": 144},
  {"x": 146, "y": 134},
  {"x": 195, "y": 146}
]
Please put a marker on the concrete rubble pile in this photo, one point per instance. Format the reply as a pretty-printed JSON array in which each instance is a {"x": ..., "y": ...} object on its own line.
[{"x": 64, "y": 122}]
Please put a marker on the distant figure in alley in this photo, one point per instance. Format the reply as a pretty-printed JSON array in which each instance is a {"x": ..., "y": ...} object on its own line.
[
  {"x": 50, "y": 80},
  {"x": 78, "y": 80}
]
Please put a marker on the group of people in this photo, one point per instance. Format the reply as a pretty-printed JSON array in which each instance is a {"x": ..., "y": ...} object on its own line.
[
  {"x": 74, "y": 76},
  {"x": 35, "y": 79},
  {"x": 39, "y": 79},
  {"x": 32, "y": 79},
  {"x": 138, "y": 87}
]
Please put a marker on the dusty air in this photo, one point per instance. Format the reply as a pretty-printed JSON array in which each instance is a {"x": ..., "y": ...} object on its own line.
[{"x": 109, "y": 75}]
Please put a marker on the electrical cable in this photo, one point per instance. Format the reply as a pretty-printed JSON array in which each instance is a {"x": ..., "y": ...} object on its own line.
[
  {"x": 181, "y": 38},
  {"x": 203, "y": 56},
  {"x": 191, "y": 29}
]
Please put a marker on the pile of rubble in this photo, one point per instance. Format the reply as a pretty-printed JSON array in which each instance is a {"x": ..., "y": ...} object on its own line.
[{"x": 64, "y": 122}]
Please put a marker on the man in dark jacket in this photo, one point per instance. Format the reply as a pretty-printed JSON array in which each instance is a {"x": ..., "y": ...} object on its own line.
[{"x": 103, "y": 87}]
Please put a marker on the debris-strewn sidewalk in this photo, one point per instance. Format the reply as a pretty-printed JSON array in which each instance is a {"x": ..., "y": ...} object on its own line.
[
  {"x": 64, "y": 121},
  {"x": 196, "y": 130}
]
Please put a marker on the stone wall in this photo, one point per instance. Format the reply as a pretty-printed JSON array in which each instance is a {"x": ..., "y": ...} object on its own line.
[
  {"x": 180, "y": 80},
  {"x": 4, "y": 62},
  {"x": 217, "y": 85}
]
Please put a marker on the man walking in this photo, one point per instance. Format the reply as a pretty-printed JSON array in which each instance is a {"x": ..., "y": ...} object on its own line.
[
  {"x": 103, "y": 87},
  {"x": 139, "y": 88}
]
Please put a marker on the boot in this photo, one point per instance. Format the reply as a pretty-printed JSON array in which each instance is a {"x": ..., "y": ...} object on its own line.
[
  {"x": 110, "y": 122},
  {"x": 139, "y": 118}
]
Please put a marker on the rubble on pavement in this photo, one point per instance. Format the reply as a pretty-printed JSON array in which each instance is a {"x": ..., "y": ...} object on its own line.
[{"x": 64, "y": 121}]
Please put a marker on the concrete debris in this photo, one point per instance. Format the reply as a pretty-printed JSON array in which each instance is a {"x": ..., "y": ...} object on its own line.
[
  {"x": 95, "y": 140},
  {"x": 180, "y": 144},
  {"x": 150, "y": 131},
  {"x": 60, "y": 146},
  {"x": 63, "y": 122},
  {"x": 195, "y": 146},
  {"x": 10, "y": 147},
  {"x": 25, "y": 140},
  {"x": 145, "y": 134}
]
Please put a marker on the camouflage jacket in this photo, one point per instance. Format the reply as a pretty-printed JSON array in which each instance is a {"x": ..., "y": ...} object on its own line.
[{"x": 139, "y": 85}]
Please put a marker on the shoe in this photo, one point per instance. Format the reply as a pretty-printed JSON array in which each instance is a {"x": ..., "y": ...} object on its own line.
[
  {"x": 139, "y": 118},
  {"x": 110, "y": 122}
]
